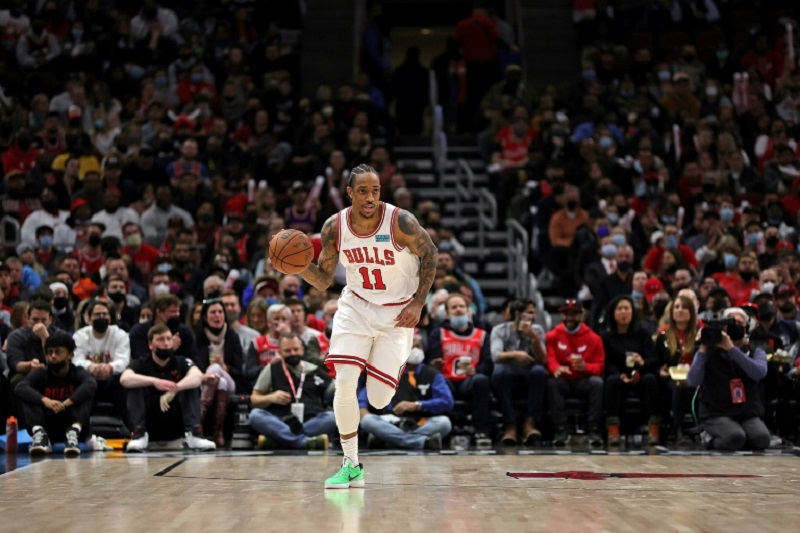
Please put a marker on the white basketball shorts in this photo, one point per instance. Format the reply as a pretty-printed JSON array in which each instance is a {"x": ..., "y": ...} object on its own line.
[{"x": 364, "y": 335}]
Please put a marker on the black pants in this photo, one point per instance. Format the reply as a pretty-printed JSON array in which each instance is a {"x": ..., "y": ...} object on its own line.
[
  {"x": 681, "y": 398},
  {"x": 144, "y": 412},
  {"x": 646, "y": 390},
  {"x": 532, "y": 382},
  {"x": 56, "y": 424},
  {"x": 478, "y": 390},
  {"x": 590, "y": 387},
  {"x": 111, "y": 391},
  {"x": 731, "y": 434}
]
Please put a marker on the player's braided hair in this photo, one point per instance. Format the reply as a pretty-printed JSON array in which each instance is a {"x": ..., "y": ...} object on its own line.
[{"x": 360, "y": 169}]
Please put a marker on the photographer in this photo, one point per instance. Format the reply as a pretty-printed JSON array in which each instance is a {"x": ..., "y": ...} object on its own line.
[{"x": 728, "y": 370}]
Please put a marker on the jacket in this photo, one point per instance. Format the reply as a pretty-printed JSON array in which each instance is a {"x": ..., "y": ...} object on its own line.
[{"x": 585, "y": 342}]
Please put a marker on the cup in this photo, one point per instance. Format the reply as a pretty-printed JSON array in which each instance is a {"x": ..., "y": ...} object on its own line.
[
  {"x": 463, "y": 363},
  {"x": 629, "y": 359},
  {"x": 573, "y": 359}
]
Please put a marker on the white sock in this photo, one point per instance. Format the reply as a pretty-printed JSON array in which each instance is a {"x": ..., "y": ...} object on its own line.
[
  {"x": 34, "y": 429},
  {"x": 350, "y": 448},
  {"x": 77, "y": 426}
]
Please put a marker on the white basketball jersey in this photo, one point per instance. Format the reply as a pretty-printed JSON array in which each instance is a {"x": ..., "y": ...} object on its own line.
[{"x": 378, "y": 269}]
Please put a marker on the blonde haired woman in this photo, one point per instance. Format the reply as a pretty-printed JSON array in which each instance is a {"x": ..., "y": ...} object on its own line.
[{"x": 675, "y": 344}]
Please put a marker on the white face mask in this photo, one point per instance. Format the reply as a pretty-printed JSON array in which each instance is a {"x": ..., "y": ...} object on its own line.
[
  {"x": 441, "y": 312},
  {"x": 161, "y": 288},
  {"x": 415, "y": 357},
  {"x": 767, "y": 286}
]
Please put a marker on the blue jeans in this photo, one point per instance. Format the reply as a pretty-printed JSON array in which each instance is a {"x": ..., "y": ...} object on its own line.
[
  {"x": 265, "y": 423},
  {"x": 412, "y": 440},
  {"x": 532, "y": 381}
]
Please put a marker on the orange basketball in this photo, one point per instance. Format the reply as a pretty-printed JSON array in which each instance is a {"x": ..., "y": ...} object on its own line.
[{"x": 291, "y": 251}]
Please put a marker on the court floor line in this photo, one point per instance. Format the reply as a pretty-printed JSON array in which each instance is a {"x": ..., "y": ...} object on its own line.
[{"x": 481, "y": 487}]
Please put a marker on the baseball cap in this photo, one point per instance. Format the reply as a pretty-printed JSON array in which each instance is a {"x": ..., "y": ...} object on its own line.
[
  {"x": 24, "y": 247},
  {"x": 652, "y": 287},
  {"x": 784, "y": 289},
  {"x": 112, "y": 162},
  {"x": 678, "y": 76},
  {"x": 298, "y": 186},
  {"x": 571, "y": 306},
  {"x": 76, "y": 203},
  {"x": 267, "y": 283}
]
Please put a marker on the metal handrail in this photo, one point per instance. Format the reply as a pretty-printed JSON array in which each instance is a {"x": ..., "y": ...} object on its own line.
[
  {"x": 490, "y": 222},
  {"x": 518, "y": 244}
]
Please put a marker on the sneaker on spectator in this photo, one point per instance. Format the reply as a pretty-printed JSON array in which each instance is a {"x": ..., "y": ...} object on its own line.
[
  {"x": 40, "y": 443},
  {"x": 561, "y": 437},
  {"x": 264, "y": 443},
  {"x": 139, "y": 441},
  {"x": 509, "y": 437},
  {"x": 706, "y": 440},
  {"x": 482, "y": 440},
  {"x": 533, "y": 437},
  {"x": 197, "y": 442},
  {"x": 72, "y": 447},
  {"x": 434, "y": 442},
  {"x": 595, "y": 438},
  {"x": 320, "y": 442}
]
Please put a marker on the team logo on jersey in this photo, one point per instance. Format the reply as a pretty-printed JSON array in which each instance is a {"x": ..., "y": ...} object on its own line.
[{"x": 382, "y": 238}]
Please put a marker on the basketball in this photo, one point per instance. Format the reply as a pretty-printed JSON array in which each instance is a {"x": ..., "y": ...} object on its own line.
[{"x": 291, "y": 251}]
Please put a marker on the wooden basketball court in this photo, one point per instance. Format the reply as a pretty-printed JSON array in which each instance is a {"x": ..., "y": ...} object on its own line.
[{"x": 465, "y": 492}]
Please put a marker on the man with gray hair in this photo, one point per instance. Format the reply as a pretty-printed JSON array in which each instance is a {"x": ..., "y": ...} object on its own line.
[
  {"x": 213, "y": 286},
  {"x": 264, "y": 349}
]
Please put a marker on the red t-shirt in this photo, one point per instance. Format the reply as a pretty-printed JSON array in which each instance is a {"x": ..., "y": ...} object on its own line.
[
  {"x": 144, "y": 259},
  {"x": 512, "y": 148},
  {"x": 739, "y": 290}
]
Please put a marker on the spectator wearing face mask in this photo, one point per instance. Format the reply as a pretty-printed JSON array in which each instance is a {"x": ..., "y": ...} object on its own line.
[
  {"x": 104, "y": 350},
  {"x": 740, "y": 277},
  {"x": 63, "y": 315},
  {"x": 166, "y": 311},
  {"x": 463, "y": 353},
  {"x": 563, "y": 225},
  {"x": 730, "y": 400},
  {"x": 672, "y": 242},
  {"x": 417, "y": 417},
  {"x": 57, "y": 400},
  {"x": 114, "y": 291},
  {"x": 163, "y": 395},
  {"x": 144, "y": 256},
  {"x": 617, "y": 282},
  {"x": 266, "y": 347}
]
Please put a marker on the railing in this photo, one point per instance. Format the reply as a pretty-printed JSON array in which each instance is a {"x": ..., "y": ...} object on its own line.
[
  {"x": 518, "y": 246},
  {"x": 9, "y": 232},
  {"x": 463, "y": 193},
  {"x": 486, "y": 222}
]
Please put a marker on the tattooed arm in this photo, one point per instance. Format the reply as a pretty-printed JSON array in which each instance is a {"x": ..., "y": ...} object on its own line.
[
  {"x": 321, "y": 274},
  {"x": 409, "y": 233}
]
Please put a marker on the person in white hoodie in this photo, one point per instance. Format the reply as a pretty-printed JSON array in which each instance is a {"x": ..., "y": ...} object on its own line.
[{"x": 104, "y": 350}]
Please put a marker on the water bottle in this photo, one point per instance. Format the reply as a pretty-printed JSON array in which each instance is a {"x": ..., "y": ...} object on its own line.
[{"x": 11, "y": 435}]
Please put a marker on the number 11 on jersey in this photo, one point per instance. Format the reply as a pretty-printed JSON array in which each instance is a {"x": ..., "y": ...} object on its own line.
[{"x": 376, "y": 273}]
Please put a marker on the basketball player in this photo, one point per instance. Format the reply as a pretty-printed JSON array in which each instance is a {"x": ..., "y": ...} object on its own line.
[{"x": 390, "y": 262}]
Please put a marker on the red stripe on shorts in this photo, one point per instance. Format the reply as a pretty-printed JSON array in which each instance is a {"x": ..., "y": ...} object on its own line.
[
  {"x": 345, "y": 360},
  {"x": 382, "y": 379},
  {"x": 385, "y": 305},
  {"x": 378, "y": 374}
]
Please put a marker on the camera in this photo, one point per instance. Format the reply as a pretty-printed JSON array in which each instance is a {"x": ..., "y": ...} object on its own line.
[{"x": 712, "y": 332}]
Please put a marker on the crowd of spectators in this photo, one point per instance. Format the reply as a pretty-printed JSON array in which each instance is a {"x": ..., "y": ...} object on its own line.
[{"x": 149, "y": 154}]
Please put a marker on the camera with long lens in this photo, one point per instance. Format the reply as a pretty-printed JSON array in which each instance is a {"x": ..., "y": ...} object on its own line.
[{"x": 712, "y": 332}]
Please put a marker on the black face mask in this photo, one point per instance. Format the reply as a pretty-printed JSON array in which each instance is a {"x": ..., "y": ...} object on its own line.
[
  {"x": 213, "y": 295},
  {"x": 572, "y": 205},
  {"x": 787, "y": 307},
  {"x": 747, "y": 275},
  {"x": 719, "y": 304},
  {"x": 288, "y": 294},
  {"x": 164, "y": 354},
  {"x": 116, "y": 297},
  {"x": 60, "y": 302},
  {"x": 624, "y": 266},
  {"x": 50, "y": 205},
  {"x": 735, "y": 332},
  {"x": 57, "y": 367},
  {"x": 772, "y": 241},
  {"x": 213, "y": 330},
  {"x": 173, "y": 323},
  {"x": 766, "y": 313},
  {"x": 94, "y": 240},
  {"x": 100, "y": 325},
  {"x": 293, "y": 360}
]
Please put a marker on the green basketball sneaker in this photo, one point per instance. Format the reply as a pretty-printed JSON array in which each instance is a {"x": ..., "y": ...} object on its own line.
[{"x": 347, "y": 476}]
